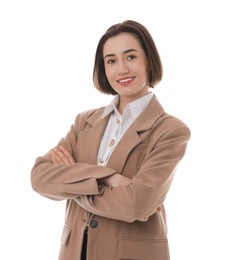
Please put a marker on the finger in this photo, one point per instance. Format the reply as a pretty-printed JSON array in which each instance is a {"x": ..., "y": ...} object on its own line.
[
  {"x": 59, "y": 156},
  {"x": 62, "y": 156},
  {"x": 67, "y": 154},
  {"x": 55, "y": 158}
]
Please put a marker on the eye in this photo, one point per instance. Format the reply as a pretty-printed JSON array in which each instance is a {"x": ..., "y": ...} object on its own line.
[
  {"x": 131, "y": 57},
  {"x": 111, "y": 61}
]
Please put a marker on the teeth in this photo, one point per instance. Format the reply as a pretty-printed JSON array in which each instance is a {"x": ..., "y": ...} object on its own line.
[{"x": 124, "y": 80}]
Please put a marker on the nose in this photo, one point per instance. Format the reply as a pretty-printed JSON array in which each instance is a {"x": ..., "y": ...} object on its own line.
[{"x": 123, "y": 68}]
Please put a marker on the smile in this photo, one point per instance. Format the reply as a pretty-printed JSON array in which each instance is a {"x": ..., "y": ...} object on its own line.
[{"x": 126, "y": 80}]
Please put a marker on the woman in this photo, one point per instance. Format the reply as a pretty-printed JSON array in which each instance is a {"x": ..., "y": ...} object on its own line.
[{"x": 116, "y": 164}]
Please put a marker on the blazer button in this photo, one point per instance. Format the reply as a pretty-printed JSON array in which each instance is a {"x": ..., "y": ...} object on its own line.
[{"x": 93, "y": 223}]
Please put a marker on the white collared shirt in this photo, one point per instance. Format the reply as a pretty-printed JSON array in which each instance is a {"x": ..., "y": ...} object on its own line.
[{"x": 118, "y": 124}]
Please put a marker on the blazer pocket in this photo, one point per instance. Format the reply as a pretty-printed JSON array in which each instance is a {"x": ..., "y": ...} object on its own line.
[
  {"x": 65, "y": 235},
  {"x": 146, "y": 249}
]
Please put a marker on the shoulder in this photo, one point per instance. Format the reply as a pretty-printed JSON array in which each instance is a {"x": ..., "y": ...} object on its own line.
[
  {"x": 163, "y": 121},
  {"x": 84, "y": 117},
  {"x": 172, "y": 121},
  {"x": 171, "y": 125},
  {"x": 91, "y": 112}
]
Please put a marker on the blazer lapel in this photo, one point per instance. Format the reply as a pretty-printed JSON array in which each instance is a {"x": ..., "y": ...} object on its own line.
[
  {"x": 132, "y": 138},
  {"x": 119, "y": 156},
  {"x": 91, "y": 137}
]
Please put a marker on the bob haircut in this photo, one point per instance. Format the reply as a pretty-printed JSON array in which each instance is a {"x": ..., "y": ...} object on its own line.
[{"x": 148, "y": 45}]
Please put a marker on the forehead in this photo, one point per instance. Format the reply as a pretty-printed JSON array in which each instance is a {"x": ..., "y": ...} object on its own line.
[{"x": 120, "y": 43}]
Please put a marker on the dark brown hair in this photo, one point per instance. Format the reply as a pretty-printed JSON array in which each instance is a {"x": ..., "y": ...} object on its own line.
[{"x": 148, "y": 45}]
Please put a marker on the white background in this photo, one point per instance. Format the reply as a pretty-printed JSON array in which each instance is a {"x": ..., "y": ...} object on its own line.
[{"x": 47, "y": 50}]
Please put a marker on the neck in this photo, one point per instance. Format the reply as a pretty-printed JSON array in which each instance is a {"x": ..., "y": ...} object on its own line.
[
  {"x": 121, "y": 107},
  {"x": 124, "y": 101}
]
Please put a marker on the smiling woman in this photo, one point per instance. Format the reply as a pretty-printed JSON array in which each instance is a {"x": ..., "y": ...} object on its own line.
[
  {"x": 116, "y": 164},
  {"x": 126, "y": 68}
]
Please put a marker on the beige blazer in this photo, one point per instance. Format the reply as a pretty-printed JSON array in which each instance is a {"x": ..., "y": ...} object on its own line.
[{"x": 123, "y": 221}]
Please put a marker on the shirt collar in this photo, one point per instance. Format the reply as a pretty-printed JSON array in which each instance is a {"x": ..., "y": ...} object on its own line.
[
  {"x": 136, "y": 107},
  {"x": 111, "y": 107}
]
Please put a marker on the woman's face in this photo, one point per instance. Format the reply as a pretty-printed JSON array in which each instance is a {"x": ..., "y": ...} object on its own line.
[{"x": 126, "y": 66}]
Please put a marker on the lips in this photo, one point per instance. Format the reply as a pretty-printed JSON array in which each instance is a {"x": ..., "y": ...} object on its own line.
[{"x": 125, "y": 81}]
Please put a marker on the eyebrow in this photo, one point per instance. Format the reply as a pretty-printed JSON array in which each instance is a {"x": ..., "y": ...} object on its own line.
[{"x": 126, "y": 51}]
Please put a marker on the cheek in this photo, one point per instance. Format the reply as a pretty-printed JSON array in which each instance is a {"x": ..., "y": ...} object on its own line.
[{"x": 109, "y": 73}]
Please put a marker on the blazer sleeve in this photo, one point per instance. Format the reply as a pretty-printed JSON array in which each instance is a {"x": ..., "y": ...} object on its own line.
[
  {"x": 59, "y": 182},
  {"x": 148, "y": 189}
]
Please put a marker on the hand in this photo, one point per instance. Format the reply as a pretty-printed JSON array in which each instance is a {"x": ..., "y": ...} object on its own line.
[{"x": 60, "y": 156}]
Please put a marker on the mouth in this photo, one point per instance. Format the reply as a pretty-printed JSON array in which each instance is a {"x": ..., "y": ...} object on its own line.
[{"x": 125, "y": 81}]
